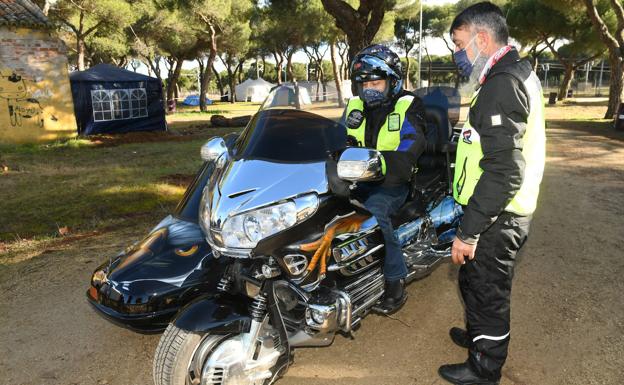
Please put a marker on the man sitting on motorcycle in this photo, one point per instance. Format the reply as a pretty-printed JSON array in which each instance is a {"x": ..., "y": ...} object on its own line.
[{"x": 390, "y": 119}]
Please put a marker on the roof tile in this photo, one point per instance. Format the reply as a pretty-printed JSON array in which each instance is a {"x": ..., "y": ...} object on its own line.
[{"x": 22, "y": 13}]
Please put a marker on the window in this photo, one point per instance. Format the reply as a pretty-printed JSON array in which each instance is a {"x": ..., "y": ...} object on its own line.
[{"x": 119, "y": 104}]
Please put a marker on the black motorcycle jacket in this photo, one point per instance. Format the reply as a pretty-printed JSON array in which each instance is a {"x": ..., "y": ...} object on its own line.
[{"x": 501, "y": 95}]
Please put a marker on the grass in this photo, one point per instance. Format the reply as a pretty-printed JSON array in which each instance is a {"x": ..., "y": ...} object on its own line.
[
  {"x": 85, "y": 187},
  {"x": 218, "y": 108}
]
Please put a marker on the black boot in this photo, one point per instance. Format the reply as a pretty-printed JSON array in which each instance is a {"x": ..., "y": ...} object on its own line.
[
  {"x": 463, "y": 374},
  {"x": 394, "y": 297},
  {"x": 460, "y": 337}
]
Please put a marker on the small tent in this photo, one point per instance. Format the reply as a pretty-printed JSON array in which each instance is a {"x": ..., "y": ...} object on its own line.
[
  {"x": 193, "y": 100},
  {"x": 315, "y": 89},
  {"x": 109, "y": 99},
  {"x": 287, "y": 94},
  {"x": 253, "y": 90}
]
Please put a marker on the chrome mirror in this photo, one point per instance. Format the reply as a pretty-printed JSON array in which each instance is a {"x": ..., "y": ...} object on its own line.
[
  {"x": 213, "y": 149},
  {"x": 358, "y": 164}
]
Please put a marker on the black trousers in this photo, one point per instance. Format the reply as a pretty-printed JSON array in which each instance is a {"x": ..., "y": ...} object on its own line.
[{"x": 485, "y": 285}]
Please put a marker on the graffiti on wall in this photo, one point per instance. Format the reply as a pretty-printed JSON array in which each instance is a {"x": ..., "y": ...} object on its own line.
[{"x": 21, "y": 104}]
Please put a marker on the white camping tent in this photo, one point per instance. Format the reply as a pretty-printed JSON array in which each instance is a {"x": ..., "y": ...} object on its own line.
[
  {"x": 253, "y": 90},
  {"x": 286, "y": 96},
  {"x": 315, "y": 89}
]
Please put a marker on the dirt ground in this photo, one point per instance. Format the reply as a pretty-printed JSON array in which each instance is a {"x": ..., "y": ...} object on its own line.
[{"x": 567, "y": 317}]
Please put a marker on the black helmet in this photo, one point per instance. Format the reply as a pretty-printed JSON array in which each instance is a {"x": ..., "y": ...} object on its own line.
[{"x": 373, "y": 63}]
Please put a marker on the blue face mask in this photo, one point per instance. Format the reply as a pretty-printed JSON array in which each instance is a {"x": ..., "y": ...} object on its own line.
[
  {"x": 464, "y": 65},
  {"x": 372, "y": 97}
]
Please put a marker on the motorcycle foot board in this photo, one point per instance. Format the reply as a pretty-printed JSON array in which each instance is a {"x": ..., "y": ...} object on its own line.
[{"x": 422, "y": 264}]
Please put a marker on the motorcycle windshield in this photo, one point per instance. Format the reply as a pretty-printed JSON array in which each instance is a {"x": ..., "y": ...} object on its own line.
[{"x": 289, "y": 128}]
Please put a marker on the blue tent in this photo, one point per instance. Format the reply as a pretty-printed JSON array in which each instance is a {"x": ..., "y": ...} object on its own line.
[
  {"x": 109, "y": 99},
  {"x": 193, "y": 100}
]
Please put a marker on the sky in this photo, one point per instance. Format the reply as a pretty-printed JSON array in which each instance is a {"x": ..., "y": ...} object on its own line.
[{"x": 435, "y": 46}]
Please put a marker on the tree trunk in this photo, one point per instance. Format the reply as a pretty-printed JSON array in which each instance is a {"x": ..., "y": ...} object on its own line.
[
  {"x": 616, "y": 86},
  {"x": 231, "y": 84},
  {"x": 80, "y": 49},
  {"x": 344, "y": 65},
  {"x": 318, "y": 84},
  {"x": 615, "y": 44},
  {"x": 407, "y": 72},
  {"x": 279, "y": 60},
  {"x": 263, "y": 66},
  {"x": 205, "y": 78},
  {"x": 568, "y": 75},
  {"x": 173, "y": 81},
  {"x": 535, "y": 63},
  {"x": 323, "y": 84},
  {"x": 218, "y": 79},
  {"x": 289, "y": 66},
  {"x": 155, "y": 67},
  {"x": 337, "y": 74}
]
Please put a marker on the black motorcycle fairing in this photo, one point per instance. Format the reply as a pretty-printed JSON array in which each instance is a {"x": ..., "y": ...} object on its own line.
[
  {"x": 188, "y": 207},
  {"x": 154, "y": 278},
  {"x": 219, "y": 314},
  {"x": 153, "y": 322}
]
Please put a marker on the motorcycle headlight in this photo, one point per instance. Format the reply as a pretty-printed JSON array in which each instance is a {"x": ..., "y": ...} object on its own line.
[{"x": 247, "y": 229}]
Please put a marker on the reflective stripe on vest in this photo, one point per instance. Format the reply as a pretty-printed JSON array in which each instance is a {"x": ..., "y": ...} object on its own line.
[
  {"x": 389, "y": 136},
  {"x": 470, "y": 153}
]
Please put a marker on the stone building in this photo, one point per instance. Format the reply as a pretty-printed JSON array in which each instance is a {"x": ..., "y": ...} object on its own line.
[{"x": 35, "y": 95}]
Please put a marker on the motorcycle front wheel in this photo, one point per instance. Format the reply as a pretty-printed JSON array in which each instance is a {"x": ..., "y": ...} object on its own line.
[{"x": 188, "y": 358}]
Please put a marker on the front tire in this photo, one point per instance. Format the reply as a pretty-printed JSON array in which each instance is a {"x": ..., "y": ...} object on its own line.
[
  {"x": 173, "y": 355},
  {"x": 183, "y": 357}
]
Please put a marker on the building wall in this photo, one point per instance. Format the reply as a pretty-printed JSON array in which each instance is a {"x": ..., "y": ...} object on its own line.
[{"x": 35, "y": 95}]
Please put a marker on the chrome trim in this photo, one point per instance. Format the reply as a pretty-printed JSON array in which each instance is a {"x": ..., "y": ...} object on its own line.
[
  {"x": 213, "y": 149},
  {"x": 339, "y": 266},
  {"x": 244, "y": 358},
  {"x": 346, "y": 325},
  {"x": 295, "y": 267},
  {"x": 367, "y": 159},
  {"x": 347, "y": 272},
  {"x": 369, "y": 303},
  {"x": 242, "y": 186},
  {"x": 367, "y": 227},
  {"x": 338, "y": 218},
  {"x": 306, "y": 206},
  {"x": 361, "y": 279},
  {"x": 303, "y": 339},
  {"x": 328, "y": 314}
]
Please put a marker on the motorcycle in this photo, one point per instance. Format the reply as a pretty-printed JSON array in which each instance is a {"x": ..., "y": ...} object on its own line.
[{"x": 269, "y": 249}]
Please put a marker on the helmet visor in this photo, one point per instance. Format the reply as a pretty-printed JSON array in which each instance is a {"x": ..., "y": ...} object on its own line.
[{"x": 367, "y": 67}]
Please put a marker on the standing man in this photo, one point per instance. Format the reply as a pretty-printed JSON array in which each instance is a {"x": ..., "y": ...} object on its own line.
[
  {"x": 498, "y": 169},
  {"x": 390, "y": 119}
]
